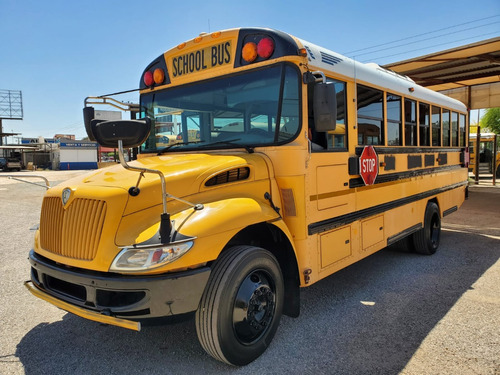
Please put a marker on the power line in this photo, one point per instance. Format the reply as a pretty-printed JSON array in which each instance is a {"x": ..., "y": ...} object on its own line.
[
  {"x": 427, "y": 47},
  {"x": 430, "y": 38},
  {"x": 419, "y": 35}
]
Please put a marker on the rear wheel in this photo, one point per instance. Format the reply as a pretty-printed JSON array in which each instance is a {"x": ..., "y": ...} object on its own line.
[
  {"x": 426, "y": 240},
  {"x": 241, "y": 306}
]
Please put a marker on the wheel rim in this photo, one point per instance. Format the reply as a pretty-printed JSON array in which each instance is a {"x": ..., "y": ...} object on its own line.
[
  {"x": 254, "y": 307},
  {"x": 435, "y": 231}
]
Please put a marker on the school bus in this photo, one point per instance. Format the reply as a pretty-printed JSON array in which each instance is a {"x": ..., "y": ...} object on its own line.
[
  {"x": 295, "y": 162},
  {"x": 488, "y": 162}
]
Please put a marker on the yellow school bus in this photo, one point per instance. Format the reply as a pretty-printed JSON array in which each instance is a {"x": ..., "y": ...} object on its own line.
[
  {"x": 295, "y": 162},
  {"x": 488, "y": 162}
]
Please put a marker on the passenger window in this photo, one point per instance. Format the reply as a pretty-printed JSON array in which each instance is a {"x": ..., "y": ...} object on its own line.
[
  {"x": 454, "y": 128},
  {"x": 393, "y": 105},
  {"x": 424, "y": 124},
  {"x": 446, "y": 127},
  {"x": 370, "y": 116},
  {"x": 411, "y": 128},
  {"x": 462, "y": 130},
  {"x": 436, "y": 126}
]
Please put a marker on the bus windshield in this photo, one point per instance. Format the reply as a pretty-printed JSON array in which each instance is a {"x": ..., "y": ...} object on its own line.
[{"x": 256, "y": 108}]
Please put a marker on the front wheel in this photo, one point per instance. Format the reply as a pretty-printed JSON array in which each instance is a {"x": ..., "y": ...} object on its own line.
[
  {"x": 241, "y": 306},
  {"x": 426, "y": 240}
]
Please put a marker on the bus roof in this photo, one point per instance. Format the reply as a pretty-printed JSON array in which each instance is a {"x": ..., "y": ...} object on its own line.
[
  {"x": 374, "y": 74},
  {"x": 319, "y": 58}
]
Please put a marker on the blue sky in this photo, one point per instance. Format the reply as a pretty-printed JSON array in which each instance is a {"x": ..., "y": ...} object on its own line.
[{"x": 59, "y": 52}]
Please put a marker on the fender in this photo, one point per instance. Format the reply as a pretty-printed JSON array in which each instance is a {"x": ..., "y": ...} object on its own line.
[
  {"x": 228, "y": 215},
  {"x": 213, "y": 227}
]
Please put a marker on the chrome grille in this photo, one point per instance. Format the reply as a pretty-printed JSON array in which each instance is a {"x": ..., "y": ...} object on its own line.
[{"x": 74, "y": 232}]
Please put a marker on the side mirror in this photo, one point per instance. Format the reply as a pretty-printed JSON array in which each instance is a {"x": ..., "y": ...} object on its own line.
[
  {"x": 325, "y": 107},
  {"x": 88, "y": 116},
  {"x": 133, "y": 133}
]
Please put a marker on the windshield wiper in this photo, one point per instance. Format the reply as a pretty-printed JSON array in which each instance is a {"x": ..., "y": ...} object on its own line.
[
  {"x": 231, "y": 142},
  {"x": 165, "y": 149}
]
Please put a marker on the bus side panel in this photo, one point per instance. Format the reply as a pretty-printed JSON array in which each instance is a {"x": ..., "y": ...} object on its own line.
[{"x": 344, "y": 246}]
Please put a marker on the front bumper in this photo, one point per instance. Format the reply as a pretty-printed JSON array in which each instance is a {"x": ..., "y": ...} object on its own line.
[{"x": 113, "y": 295}]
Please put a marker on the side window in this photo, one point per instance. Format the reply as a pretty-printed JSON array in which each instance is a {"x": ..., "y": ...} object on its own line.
[
  {"x": 424, "y": 124},
  {"x": 454, "y": 128},
  {"x": 370, "y": 116},
  {"x": 411, "y": 128},
  {"x": 446, "y": 127},
  {"x": 436, "y": 126},
  {"x": 337, "y": 139},
  {"x": 393, "y": 105},
  {"x": 461, "y": 125},
  {"x": 334, "y": 140}
]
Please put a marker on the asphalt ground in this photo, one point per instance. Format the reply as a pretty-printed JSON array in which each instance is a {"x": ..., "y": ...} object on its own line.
[{"x": 392, "y": 313}]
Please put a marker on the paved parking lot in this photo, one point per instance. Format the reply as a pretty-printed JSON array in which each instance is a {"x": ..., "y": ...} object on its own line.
[{"x": 392, "y": 313}]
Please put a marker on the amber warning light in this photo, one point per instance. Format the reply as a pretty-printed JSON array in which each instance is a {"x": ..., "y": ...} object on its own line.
[
  {"x": 155, "y": 77},
  {"x": 263, "y": 49}
]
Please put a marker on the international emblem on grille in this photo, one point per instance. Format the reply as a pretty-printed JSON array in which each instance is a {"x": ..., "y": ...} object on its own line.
[{"x": 65, "y": 196}]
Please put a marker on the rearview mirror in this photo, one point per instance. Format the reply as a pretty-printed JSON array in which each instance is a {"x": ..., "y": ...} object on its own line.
[
  {"x": 132, "y": 133},
  {"x": 325, "y": 107}
]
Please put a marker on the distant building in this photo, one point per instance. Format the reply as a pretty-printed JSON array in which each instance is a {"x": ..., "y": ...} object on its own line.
[
  {"x": 62, "y": 152},
  {"x": 65, "y": 136},
  {"x": 77, "y": 155}
]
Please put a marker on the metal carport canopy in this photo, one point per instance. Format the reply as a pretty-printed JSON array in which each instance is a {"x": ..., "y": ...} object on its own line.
[{"x": 469, "y": 73}]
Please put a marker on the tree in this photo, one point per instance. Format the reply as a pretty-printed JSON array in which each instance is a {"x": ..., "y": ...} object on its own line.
[{"x": 491, "y": 120}]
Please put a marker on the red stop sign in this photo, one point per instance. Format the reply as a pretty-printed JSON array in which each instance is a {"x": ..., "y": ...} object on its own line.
[{"x": 368, "y": 165}]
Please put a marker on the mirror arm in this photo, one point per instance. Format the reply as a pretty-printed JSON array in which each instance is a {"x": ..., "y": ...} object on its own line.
[
  {"x": 142, "y": 171},
  {"x": 321, "y": 78},
  {"x": 165, "y": 223}
]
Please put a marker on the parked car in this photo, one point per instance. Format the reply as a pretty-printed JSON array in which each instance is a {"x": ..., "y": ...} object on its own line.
[{"x": 9, "y": 164}]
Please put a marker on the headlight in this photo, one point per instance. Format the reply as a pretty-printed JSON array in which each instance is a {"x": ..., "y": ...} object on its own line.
[{"x": 144, "y": 258}]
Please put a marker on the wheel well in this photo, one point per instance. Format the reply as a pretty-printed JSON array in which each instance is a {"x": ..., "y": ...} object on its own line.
[
  {"x": 271, "y": 238},
  {"x": 434, "y": 200}
]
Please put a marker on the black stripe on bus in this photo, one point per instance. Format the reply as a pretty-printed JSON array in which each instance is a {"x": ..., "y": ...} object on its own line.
[
  {"x": 381, "y": 150},
  {"x": 390, "y": 177},
  {"x": 399, "y": 236},
  {"x": 335, "y": 222},
  {"x": 450, "y": 211}
]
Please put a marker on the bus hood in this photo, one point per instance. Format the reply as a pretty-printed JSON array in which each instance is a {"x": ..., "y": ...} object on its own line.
[{"x": 185, "y": 175}]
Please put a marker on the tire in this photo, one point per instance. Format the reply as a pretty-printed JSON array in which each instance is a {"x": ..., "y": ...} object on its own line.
[
  {"x": 426, "y": 240},
  {"x": 241, "y": 306}
]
